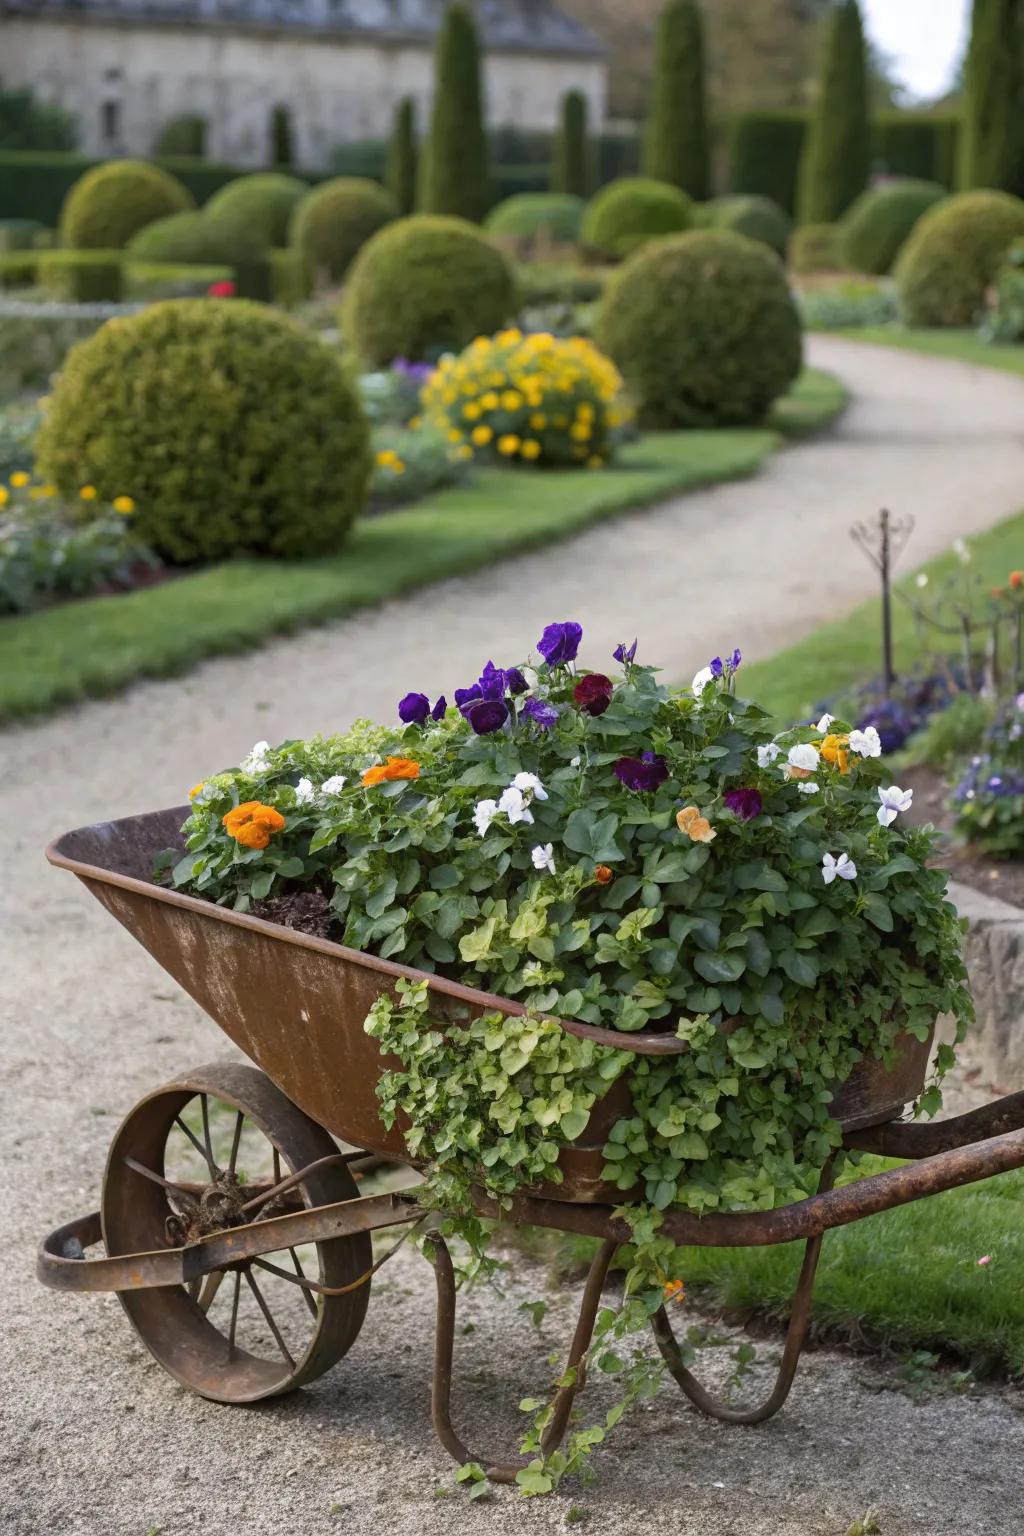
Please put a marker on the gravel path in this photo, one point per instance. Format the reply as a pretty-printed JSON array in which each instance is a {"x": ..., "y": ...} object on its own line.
[{"x": 96, "y": 1440}]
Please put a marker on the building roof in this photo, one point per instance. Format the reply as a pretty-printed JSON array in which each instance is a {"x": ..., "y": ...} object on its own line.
[{"x": 528, "y": 26}]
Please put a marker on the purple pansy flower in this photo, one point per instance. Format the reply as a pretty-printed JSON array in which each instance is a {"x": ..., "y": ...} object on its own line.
[
  {"x": 464, "y": 696},
  {"x": 717, "y": 667},
  {"x": 486, "y": 715},
  {"x": 515, "y": 680},
  {"x": 438, "y": 711},
  {"x": 744, "y": 803},
  {"x": 642, "y": 774},
  {"x": 541, "y": 713},
  {"x": 492, "y": 682},
  {"x": 624, "y": 654},
  {"x": 560, "y": 642},
  {"x": 414, "y": 708}
]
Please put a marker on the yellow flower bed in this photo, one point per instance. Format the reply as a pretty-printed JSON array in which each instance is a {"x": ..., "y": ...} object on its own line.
[{"x": 529, "y": 399}]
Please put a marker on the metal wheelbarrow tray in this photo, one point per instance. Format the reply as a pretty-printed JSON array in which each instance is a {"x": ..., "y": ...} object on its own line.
[{"x": 295, "y": 1004}]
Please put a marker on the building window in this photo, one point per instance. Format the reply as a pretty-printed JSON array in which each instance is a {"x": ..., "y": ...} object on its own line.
[{"x": 110, "y": 122}]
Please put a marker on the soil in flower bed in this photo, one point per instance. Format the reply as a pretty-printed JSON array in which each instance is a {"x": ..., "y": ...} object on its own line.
[
  {"x": 305, "y": 911},
  {"x": 994, "y": 877}
]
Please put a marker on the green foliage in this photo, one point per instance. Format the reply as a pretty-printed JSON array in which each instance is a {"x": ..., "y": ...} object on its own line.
[
  {"x": 183, "y": 135},
  {"x": 704, "y": 329},
  {"x": 455, "y": 175},
  {"x": 920, "y": 146},
  {"x": 85, "y": 277},
  {"x": 627, "y": 213},
  {"x": 19, "y": 424},
  {"x": 836, "y": 156},
  {"x": 333, "y": 222},
  {"x": 111, "y": 202},
  {"x": 1005, "y": 319},
  {"x": 423, "y": 286},
  {"x": 281, "y": 151},
  {"x": 756, "y": 217},
  {"x": 992, "y": 140},
  {"x": 29, "y": 124},
  {"x": 570, "y": 167},
  {"x": 551, "y": 216},
  {"x": 989, "y": 799},
  {"x": 35, "y": 184},
  {"x": 400, "y": 173},
  {"x": 676, "y": 145},
  {"x": 877, "y": 225},
  {"x": 253, "y": 212},
  {"x": 953, "y": 733},
  {"x": 18, "y": 269},
  {"x": 172, "y": 405},
  {"x": 953, "y": 254},
  {"x": 33, "y": 346},
  {"x": 559, "y": 282},
  {"x": 171, "y": 280},
  {"x": 20, "y": 234},
  {"x": 183, "y": 238},
  {"x": 850, "y": 302},
  {"x": 764, "y": 155},
  {"x": 411, "y": 462},
  {"x": 816, "y": 248}
]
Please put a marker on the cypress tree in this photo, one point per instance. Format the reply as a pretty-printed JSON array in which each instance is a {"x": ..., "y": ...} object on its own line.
[
  {"x": 569, "y": 165},
  {"x": 676, "y": 145},
  {"x": 400, "y": 177},
  {"x": 280, "y": 136},
  {"x": 836, "y": 158},
  {"x": 992, "y": 140},
  {"x": 455, "y": 170}
]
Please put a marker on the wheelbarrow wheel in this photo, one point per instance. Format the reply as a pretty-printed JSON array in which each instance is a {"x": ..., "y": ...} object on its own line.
[{"x": 186, "y": 1160}]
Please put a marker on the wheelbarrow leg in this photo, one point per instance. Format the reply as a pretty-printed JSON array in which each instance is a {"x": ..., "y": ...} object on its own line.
[
  {"x": 796, "y": 1335},
  {"x": 441, "y": 1386}
]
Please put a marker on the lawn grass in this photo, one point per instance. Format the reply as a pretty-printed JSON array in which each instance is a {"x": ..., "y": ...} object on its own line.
[
  {"x": 906, "y": 1280},
  {"x": 962, "y": 346},
  {"x": 99, "y": 645}
]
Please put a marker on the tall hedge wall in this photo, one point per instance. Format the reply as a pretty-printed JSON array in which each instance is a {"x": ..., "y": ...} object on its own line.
[
  {"x": 764, "y": 155},
  {"x": 918, "y": 145},
  {"x": 33, "y": 184}
]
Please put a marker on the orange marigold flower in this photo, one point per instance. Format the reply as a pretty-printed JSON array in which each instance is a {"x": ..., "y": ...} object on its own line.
[
  {"x": 833, "y": 750},
  {"x": 252, "y": 824},
  {"x": 394, "y": 768},
  {"x": 675, "y": 1290},
  {"x": 196, "y": 789},
  {"x": 602, "y": 874}
]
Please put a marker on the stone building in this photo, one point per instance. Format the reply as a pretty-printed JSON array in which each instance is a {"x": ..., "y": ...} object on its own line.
[{"x": 126, "y": 67}]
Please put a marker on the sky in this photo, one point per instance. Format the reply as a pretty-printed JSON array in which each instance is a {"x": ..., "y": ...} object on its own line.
[{"x": 924, "y": 39}]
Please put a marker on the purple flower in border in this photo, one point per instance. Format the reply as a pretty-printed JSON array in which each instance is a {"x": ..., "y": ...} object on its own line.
[
  {"x": 515, "y": 680},
  {"x": 642, "y": 774},
  {"x": 438, "y": 711},
  {"x": 464, "y": 696},
  {"x": 744, "y": 803},
  {"x": 560, "y": 642},
  {"x": 735, "y": 659},
  {"x": 541, "y": 713},
  {"x": 716, "y": 666},
  {"x": 492, "y": 682},
  {"x": 624, "y": 654},
  {"x": 414, "y": 708},
  {"x": 486, "y": 715}
]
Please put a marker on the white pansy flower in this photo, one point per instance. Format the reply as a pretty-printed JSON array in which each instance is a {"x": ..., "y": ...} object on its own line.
[
  {"x": 868, "y": 742},
  {"x": 543, "y": 857},
  {"x": 513, "y": 803},
  {"x": 304, "y": 792},
  {"x": 824, "y": 725},
  {"x": 334, "y": 785},
  {"x": 530, "y": 784},
  {"x": 808, "y": 789},
  {"x": 484, "y": 814},
  {"x": 804, "y": 756},
  {"x": 700, "y": 682},
  {"x": 258, "y": 760},
  {"x": 574, "y": 762},
  {"x": 893, "y": 801},
  {"x": 767, "y": 754},
  {"x": 843, "y": 867},
  {"x": 921, "y": 579}
]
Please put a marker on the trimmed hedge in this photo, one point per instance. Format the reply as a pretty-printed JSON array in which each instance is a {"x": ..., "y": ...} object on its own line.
[
  {"x": 182, "y": 237},
  {"x": 34, "y": 185},
  {"x": 255, "y": 210},
  {"x": 953, "y": 254},
  {"x": 921, "y": 146},
  {"x": 84, "y": 277},
  {"x": 704, "y": 329},
  {"x": 625, "y": 214},
  {"x": 20, "y": 234},
  {"x": 335, "y": 220},
  {"x": 172, "y": 407},
  {"x": 816, "y": 248},
  {"x": 533, "y": 215},
  {"x": 423, "y": 286},
  {"x": 18, "y": 268},
  {"x": 756, "y": 217},
  {"x": 454, "y": 168},
  {"x": 880, "y": 220},
  {"x": 764, "y": 155},
  {"x": 109, "y": 204},
  {"x": 676, "y": 146},
  {"x": 570, "y": 155},
  {"x": 183, "y": 135},
  {"x": 403, "y": 157},
  {"x": 836, "y": 160},
  {"x": 171, "y": 280}
]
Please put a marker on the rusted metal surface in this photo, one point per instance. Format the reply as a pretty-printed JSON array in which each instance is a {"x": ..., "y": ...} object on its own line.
[
  {"x": 924, "y": 1138},
  {"x": 295, "y": 1004}
]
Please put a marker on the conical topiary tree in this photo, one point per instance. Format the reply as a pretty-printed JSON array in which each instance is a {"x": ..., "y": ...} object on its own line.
[
  {"x": 992, "y": 136},
  {"x": 569, "y": 167},
  {"x": 836, "y": 158},
  {"x": 400, "y": 177},
  {"x": 676, "y": 144},
  {"x": 281, "y": 136},
  {"x": 455, "y": 173}
]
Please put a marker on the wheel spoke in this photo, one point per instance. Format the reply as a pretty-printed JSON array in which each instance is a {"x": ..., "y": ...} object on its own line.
[
  {"x": 268, "y": 1317},
  {"x": 157, "y": 1178},
  {"x": 240, "y": 1121},
  {"x": 211, "y": 1285},
  {"x": 301, "y": 1276},
  {"x": 234, "y": 1315},
  {"x": 277, "y": 1166},
  {"x": 194, "y": 1139},
  {"x": 207, "y": 1142}
]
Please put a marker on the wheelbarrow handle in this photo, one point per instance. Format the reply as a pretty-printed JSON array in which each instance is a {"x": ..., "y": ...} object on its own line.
[{"x": 923, "y": 1138}]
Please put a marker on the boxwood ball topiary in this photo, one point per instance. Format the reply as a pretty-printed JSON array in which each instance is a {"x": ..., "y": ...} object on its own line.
[
  {"x": 191, "y": 238},
  {"x": 880, "y": 220},
  {"x": 627, "y": 212},
  {"x": 232, "y": 427},
  {"x": 531, "y": 215},
  {"x": 105, "y": 207},
  {"x": 336, "y": 219},
  {"x": 759, "y": 218},
  {"x": 423, "y": 286},
  {"x": 256, "y": 208},
  {"x": 704, "y": 329},
  {"x": 953, "y": 253}
]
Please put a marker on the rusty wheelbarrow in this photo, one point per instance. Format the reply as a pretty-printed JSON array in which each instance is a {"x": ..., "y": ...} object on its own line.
[{"x": 233, "y": 1229}]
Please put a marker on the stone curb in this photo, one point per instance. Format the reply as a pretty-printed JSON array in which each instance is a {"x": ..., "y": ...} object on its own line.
[{"x": 994, "y": 950}]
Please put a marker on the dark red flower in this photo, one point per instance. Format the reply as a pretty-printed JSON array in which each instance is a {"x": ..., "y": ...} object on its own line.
[
  {"x": 225, "y": 289},
  {"x": 744, "y": 803},
  {"x": 642, "y": 774},
  {"x": 593, "y": 693}
]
